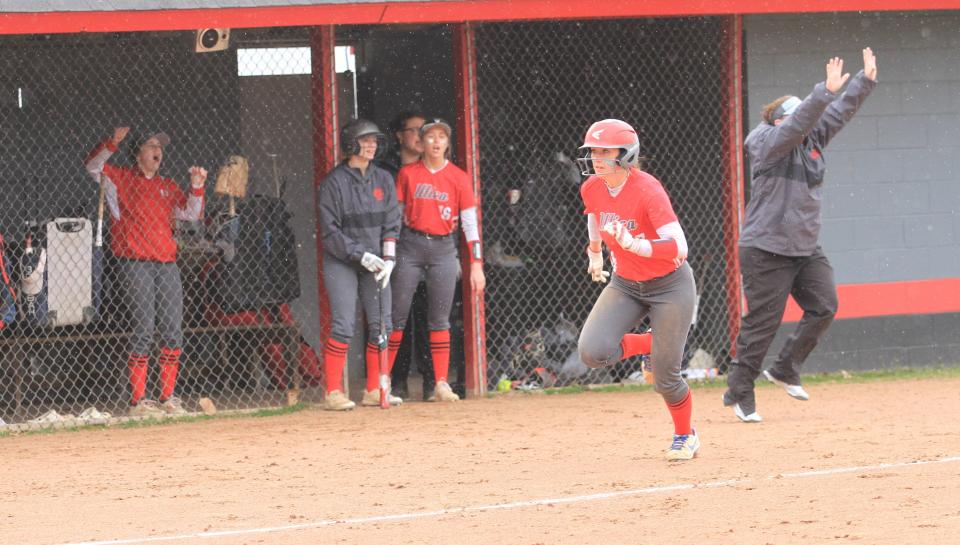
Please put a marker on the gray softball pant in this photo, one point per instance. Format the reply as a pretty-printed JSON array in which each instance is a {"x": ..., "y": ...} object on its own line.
[
  {"x": 623, "y": 305},
  {"x": 343, "y": 282},
  {"x": 431, "y": 258},
  {"x": 155, "y": 297}
]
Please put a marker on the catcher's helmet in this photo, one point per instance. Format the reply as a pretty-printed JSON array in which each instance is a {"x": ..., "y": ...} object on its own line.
[
  {"x": 353, "y": 131},
  {"x": 610, "y": 133}
]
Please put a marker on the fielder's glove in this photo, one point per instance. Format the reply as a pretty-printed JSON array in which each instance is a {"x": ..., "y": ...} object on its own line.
[
  {"x": 595, "y": 268},
  {"x": 384, "y": 275},
  {"x": 372, "y": 263}
]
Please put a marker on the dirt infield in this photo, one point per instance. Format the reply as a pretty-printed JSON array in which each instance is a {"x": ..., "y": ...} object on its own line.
[{"x": 519, "y": 470}]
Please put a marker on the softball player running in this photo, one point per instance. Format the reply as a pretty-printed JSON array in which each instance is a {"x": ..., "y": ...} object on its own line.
[
  {"x": 359, "y": 219},
  {"x": 629, "y": 211},
  {"x": 434, "y": 196}
]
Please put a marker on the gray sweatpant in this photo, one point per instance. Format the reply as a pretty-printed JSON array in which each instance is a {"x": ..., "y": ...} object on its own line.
[
  {"x": 623, "y": 305},
  {"x": 433, "y": 259},
  {"x": 155, "y": 297},
  {"x": 343, "y": 282}
]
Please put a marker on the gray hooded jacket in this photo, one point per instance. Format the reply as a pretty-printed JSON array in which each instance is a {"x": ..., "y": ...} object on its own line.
[
  {"x": 787, "y": 165},
  {"x": 358, "y": 213}
]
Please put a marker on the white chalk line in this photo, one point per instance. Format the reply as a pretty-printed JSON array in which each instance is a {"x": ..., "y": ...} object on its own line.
[{"x": 512, "y": 505}]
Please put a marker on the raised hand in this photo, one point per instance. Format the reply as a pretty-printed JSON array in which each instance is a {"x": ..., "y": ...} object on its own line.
[
  {"x": 835, "y": 76},
  {"x": 120, "y": 133},
  {"x": 869, "y": 64},
  {"x": 198, "y": 175}
]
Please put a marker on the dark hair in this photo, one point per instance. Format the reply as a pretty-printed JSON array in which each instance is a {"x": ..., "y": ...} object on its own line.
[
  {"x": 769, "y": 109},
  {"x": 399, "y": 122}
]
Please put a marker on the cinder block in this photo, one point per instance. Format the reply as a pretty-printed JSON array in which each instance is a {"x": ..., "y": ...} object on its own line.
[
  {"x": 929, "y": 230},
  {"x": 902, "y": 131}
]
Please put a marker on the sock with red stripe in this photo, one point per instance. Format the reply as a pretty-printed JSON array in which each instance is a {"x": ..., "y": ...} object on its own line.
[
  {"x": 169, "y": 366},
  {"x": 373, "y": 367},
  {"x": 634, "y": 344},
  {"x": 334, "y": 359},
  {"x": 440, "y": 350},
  {"x": 393, "y": 346},
  {"x": 137, "y": 365},
  {"x": 682, "y": 413}
]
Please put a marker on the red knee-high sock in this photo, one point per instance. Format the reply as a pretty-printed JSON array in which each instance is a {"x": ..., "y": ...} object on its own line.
[
  {"x": 373, "y": 367},
  {"x": 440, "y": 350},
  {"x": 137, "y": 365},
  {"x": 634, "y": 344},
  {"x": 334, "y": 358},
  {"x": 393, "y": 346},
  {"x": 681, "y": 413},
  {"x": 169, "y": 365}
]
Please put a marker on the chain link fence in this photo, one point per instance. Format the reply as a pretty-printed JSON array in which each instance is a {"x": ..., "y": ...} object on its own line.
[
  {"x": 247, "y": 266},
  {"x": 540, "y": 85},
  {"x": 80, "y": 272}
]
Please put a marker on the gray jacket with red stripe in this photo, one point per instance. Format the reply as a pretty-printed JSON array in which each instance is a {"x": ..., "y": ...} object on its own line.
[{"x": 787, "y": 165}]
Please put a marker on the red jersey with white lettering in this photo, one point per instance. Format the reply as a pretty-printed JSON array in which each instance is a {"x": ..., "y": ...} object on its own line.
[
  {"x": 432, "y": 201},
  {"x": 643, "y": 206}
]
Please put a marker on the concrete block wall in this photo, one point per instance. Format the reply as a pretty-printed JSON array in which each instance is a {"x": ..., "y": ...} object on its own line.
[{"x": 891, "y": 200}]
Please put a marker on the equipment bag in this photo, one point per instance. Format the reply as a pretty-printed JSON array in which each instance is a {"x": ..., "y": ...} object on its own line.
[
  {"x": 260, "y": 268},
  {"x": 56, "y": 273},
  {"x": 8, "y": 296}
]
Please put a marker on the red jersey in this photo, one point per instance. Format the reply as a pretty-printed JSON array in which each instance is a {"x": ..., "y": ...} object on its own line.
[
  {"x": 144, "y": 209},
  {"x": 432, "y": 201},
  {"x": 642, "y": 206}
]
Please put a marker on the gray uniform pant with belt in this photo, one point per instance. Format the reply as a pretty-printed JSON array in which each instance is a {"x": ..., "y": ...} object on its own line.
[
  {"x": 343, "y": 282},
  {"x": 768, "y": 279},
  {"x": 155, "y": 297},
  {"x": 433, "y": 259},
  {"x": 623, "y": 305}
]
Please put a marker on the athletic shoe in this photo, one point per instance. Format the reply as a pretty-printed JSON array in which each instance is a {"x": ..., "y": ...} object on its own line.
[
  {"x": 793, "y": 390},
  {"x": 173, "y": 406},
  {"x": 371, "y": 398},
  {"x": 443, "y": 392},
  {"x": 146, "y": 407},
  {"x": 336, "y": 401},
  {"x": 684, "y": 447},
  {"x": 752, "y": 417}
]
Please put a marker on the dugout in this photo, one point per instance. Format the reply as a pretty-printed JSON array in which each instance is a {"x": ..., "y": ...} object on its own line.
[{"x": 521, "y": 81}]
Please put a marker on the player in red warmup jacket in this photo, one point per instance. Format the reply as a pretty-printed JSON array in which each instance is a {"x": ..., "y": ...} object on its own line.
[
  {"x": 435, "y": 196},
  {"x": 629, "y": 211}
]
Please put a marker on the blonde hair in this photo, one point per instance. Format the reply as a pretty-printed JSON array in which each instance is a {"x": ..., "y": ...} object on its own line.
[{"x": 769, "y": 109}]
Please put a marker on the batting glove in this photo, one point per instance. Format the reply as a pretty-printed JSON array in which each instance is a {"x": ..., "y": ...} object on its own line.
[
  {"x": 372, "y": 263},
  {"x": 384, "y": 275},
  {"x": 595, "y": 268},
  {"x": 627, "y": 241}
]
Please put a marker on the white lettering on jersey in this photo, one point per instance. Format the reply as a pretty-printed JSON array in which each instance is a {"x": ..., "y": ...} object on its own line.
[
  {"x": 427, "y": 191},
  {"x": 610, "y": 217}
]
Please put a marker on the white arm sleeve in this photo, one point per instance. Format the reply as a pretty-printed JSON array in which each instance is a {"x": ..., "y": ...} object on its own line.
[
  {"x": 593, "y": 227},
  {"x": 192, "y": 211},
  {"x": 675, "y": 232},
  {"x": 468, "y": 222}
]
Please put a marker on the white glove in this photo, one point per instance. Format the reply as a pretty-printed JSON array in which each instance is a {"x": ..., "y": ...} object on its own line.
[
  {"x": 372, "y": 263},
  {"x": 627, "y": 241},
  {"x": 595, "y": 268},
  {"x": 384, "y": 275}
]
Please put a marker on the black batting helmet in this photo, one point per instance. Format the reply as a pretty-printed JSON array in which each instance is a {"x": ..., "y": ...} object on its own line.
[{"x": 353, "y": 131}]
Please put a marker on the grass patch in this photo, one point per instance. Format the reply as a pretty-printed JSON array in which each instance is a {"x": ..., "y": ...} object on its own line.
[
  {"x": 901, "y": 373},
  {"x": 152, "y": 422}
]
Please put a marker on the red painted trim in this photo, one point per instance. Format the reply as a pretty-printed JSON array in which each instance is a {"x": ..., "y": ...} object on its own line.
[
  {"x": 732, "y": 47},
  {"x": 468, "y": 153},
  {"x": 425, "y": 12},
  {"x": 324, "y": 113},
  {"x": 891, "y": 299}
]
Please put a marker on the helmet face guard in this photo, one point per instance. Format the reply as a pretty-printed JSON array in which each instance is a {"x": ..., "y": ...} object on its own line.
[{"x": 610, "y": 134}]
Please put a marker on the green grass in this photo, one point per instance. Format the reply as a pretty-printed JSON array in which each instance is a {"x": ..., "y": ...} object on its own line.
[
  {"x": 903, "y": 373},
  {"x": 152, "y": 422}
]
